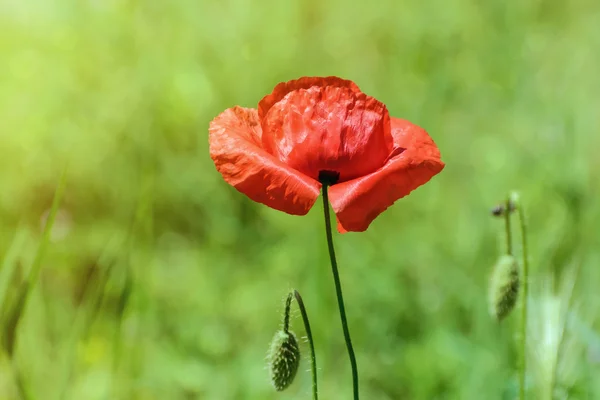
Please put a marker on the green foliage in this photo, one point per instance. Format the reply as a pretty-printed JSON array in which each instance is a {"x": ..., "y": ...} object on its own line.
[{"x": 158, "y": 279}]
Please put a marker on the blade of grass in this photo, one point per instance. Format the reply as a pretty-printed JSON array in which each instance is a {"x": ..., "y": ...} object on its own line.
[
  {"x": 84, "y": 317},
  {"x": 140, "y": 232},
  {"x": 9, "y": 265},
  {"x": 36, "y": 266},
  {"x": 27, "y": 288}
]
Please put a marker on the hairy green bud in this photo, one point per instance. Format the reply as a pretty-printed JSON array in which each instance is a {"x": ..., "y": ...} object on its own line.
[
  {"x": 284, "y": 359},
  {"x": 504, "y": 287}
]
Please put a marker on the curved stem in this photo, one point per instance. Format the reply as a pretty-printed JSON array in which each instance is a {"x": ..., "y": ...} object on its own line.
[
  {"x": 523, "y": 365},
  {"x": 338, "y": 291},
  {"x": 313, "y": 359},
  {"x": 507, "y": 212},
  {"x": 286, "y": 313}
]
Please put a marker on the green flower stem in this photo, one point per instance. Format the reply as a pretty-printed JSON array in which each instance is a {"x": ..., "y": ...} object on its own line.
[
  {"x": 507, "y": 211},
  {"x": 286, "y": 313},
  {"x": 313, "y": 359},
  {"x": 338, "y": 291},
  {"x": 525, "y": 283}
]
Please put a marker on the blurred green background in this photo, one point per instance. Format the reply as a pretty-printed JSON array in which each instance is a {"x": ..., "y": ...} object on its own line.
[{"x": 160, "y": 281}]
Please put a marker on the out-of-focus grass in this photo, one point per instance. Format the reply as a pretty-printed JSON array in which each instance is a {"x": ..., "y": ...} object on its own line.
[{"x": 161, "y": 282}]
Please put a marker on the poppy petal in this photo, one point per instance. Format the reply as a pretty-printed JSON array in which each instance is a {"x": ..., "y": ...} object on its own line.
[
  {"x": 306, "y": 82},
  {"x": 235, "y": 147},
  {"x": 328, "y": 128},
  {"x": 414, "y": 161}
]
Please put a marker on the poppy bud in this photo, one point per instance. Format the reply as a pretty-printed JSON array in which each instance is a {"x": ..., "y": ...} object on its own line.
[
  {"x": 284, "y": 359},
  {"x": 504, "y": 287}
]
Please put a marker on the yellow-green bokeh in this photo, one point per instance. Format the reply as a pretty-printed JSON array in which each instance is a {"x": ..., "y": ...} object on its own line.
[{"x": 163, "y": 282}]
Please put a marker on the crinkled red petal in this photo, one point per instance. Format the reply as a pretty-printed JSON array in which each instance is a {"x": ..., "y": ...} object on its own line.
[
  {"x": 306, "y": 82},
  {"x": 414, "y": 161},
  {"x": 328, "y": 127},
  {"x": 235, "y": 147}
]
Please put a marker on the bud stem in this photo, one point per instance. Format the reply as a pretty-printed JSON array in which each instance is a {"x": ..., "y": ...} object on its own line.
[
  {"x": 523, "y": 226},
  {"x": 313, "y": 359},
  {"x": 338, "y": 291},
  {"x": 286, "y": 313},
  {"x": 507, "y": 212}
]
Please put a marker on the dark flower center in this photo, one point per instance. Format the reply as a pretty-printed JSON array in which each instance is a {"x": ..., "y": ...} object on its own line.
[{"x": 328, "y": 177}]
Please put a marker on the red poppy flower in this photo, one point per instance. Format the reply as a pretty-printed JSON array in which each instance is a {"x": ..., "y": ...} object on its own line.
[{"x": 322, "y": 130}]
